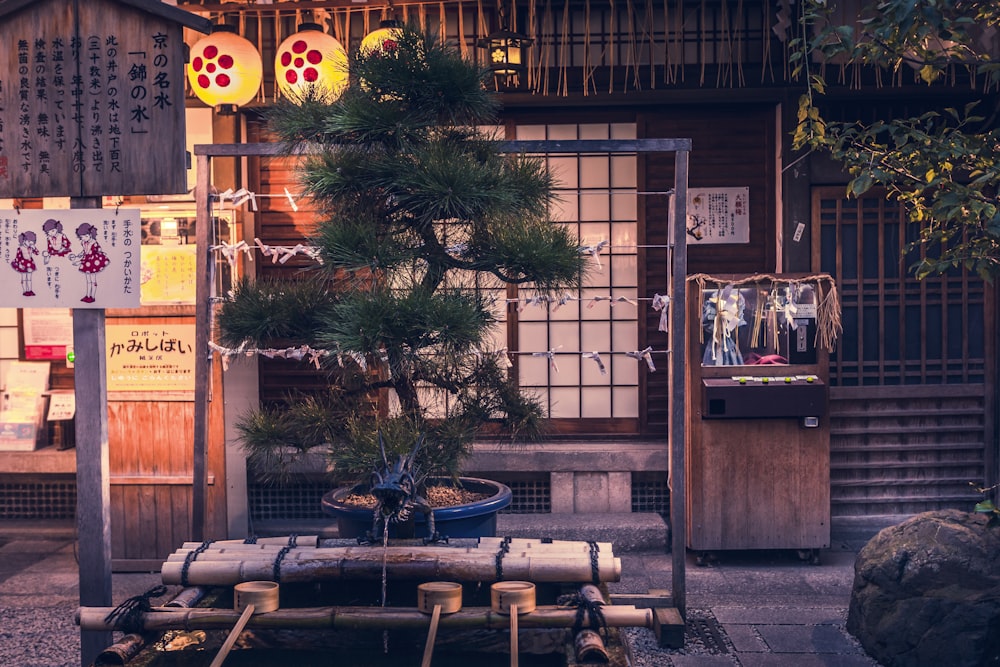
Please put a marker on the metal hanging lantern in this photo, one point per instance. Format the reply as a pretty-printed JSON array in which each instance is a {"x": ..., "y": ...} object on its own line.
[
  {"x": 505, "y": 51},
  {"x": 311, "y": 60},
  {"x": 384, "y": 39},
  {"x": 226, "y": 70}
]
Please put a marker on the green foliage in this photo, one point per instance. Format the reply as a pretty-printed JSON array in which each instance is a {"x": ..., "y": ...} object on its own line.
[
  {"x": 943, "y": 167},
  {"x": 266, "y": 313},
  {"x": 986, "y": 505},
  {"x": 416, "y": 207}
]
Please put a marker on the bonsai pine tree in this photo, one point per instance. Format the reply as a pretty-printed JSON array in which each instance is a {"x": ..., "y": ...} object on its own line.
[{"x": 421, "y": 217}]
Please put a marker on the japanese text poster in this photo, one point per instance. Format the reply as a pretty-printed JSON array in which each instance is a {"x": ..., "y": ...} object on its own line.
[
  {"x": 718, "y": 215},
  {"x": 150, "y": 357}
]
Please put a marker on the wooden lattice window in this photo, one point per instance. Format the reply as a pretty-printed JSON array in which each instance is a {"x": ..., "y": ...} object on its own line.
[
  {"x": 597, "y": 201},
  {"x": 897, "y": 330}
]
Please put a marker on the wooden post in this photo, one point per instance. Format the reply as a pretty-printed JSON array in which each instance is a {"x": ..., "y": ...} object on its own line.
[
  {"x": 93, "y": 485},
  {"x": 677, "y": 234},
  {"x": 202, "y": 357}
]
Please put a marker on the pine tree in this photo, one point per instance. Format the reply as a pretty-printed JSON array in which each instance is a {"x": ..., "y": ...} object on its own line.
[{"x": 420, "y": 213}]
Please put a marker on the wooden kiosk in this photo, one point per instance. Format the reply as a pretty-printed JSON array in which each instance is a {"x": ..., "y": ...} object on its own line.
[{"x": 758, "y": 436}]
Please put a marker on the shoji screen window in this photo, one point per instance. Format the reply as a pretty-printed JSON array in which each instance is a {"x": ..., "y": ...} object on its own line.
[{"x": 597, "y": 201}]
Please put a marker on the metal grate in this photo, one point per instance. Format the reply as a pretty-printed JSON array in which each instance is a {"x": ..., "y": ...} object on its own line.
[
  {"x": 650, "y": 492},
  {"x": 706, "y": 632},
  {"x": 531, "y": 492},
  {"x": 297, "y": 500},
  {"x": 38, "y": 500},
  {"x": 530, "y": 496}
]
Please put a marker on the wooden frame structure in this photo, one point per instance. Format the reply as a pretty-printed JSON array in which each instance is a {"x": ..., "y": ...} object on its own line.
[{"x": 681, "y": 149}]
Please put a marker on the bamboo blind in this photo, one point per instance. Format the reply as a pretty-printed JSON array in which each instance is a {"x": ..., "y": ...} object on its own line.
[{"x": 583, "y": 47}]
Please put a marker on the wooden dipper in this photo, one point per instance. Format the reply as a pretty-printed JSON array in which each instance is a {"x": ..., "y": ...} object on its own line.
[
  {"x": 250, "y": 597},
  {"x": 513, "y": 598},
  {"x": 435, "y": 598},
  {"x": 263, "y": 595},
  {"x": 446, "y": 594}
]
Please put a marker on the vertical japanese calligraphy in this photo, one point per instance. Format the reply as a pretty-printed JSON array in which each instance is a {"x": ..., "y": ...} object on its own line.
[
  {"x": 92, "y": 106},
  {"x": 718, "y": 215}
]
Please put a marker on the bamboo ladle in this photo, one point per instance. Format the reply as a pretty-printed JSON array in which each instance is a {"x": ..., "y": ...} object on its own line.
[
  {"x": 513, "y": 597},
  {"x": 233, "y": 634},
  {"x": 440, "y": 597}
]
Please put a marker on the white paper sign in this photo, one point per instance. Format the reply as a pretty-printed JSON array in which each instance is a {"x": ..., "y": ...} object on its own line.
[
  {"x": 69, "y": 258},
  {"x": 62, "y": 405},
  {"x": 718, "y": 215}
]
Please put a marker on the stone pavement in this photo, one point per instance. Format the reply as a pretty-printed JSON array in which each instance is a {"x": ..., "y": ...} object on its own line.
[{"x": 752, "y": 609}]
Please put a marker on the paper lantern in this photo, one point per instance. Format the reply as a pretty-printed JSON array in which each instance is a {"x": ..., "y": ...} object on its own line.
[
  {"x": 225, "y": 69},
  {"x": 385, "y": 38},
  {"x": 310, "y": 59}
]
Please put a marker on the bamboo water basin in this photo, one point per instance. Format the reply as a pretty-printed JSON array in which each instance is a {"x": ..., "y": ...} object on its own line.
[{"x": 330, "y": 598}]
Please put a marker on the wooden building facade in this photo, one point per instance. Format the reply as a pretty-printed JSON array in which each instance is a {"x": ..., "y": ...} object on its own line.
[
  {"x": 913, "y": 399},
  {"x": 913, "y": 414}
]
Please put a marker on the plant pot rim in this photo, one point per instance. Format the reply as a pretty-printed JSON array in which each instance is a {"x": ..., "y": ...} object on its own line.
[{"x": 333, "y": 500}]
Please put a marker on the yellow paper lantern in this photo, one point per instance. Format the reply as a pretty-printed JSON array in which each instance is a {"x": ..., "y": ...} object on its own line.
[
  {"x": 310, "y": 59},
  {"x": 384, "y": 39},
  {"x": 225, "y": 69}
]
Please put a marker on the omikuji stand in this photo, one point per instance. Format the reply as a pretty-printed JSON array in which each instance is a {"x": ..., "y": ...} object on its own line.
[{"x": 758, "y": 436}]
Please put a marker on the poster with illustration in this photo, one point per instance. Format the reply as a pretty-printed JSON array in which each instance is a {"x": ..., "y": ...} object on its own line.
[
  {"x": 69, "y": 258},
  {"x": 718, "y": 215}
]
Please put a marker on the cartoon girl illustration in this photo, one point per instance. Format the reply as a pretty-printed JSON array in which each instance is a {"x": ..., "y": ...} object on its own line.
[
  {"x": 23, "y": 262},
  {"x": 91, "y": 260},
  {"x": 57, "y": 242}
]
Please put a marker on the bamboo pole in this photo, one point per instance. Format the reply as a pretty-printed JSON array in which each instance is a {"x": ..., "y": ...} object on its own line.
[
  {"x": 130, "y": 645},
  {"x": 589, "y": 648},
  {"x": 434, "y": 564},
  {"x": 122, "y": 651},
  {"x": 526, "y": 547},
  {"x": 363, "y": 618},
  {"x": 518, "y": 544},
  {"x": 303, "y": 555},
  {"x": 300, "y": 541}
]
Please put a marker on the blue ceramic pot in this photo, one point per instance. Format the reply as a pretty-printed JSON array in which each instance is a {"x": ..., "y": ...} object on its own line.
[{"x": 476, "y": 519}]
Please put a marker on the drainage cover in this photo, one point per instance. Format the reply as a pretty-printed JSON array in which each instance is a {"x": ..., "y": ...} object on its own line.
[{"x": 708, "y": 633}]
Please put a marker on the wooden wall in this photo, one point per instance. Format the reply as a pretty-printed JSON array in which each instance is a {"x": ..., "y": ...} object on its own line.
[
  {"x": 151, "y": 443},
  {"x": 901, "y": 450},
  {"x": 730, "y": 147}
]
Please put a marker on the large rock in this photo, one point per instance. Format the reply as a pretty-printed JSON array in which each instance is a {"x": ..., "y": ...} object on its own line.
[{"x": 927, "y": 592}]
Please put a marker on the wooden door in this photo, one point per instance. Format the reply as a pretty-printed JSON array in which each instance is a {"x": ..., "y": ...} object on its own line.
[{"x": 913, "y": 377}]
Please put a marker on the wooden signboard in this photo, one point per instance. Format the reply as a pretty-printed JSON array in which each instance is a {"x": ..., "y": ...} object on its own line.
[{"x": 91, "y": 98}]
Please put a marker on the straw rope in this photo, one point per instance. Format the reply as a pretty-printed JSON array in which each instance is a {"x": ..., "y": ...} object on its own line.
[{"x": 828, "y": 321}]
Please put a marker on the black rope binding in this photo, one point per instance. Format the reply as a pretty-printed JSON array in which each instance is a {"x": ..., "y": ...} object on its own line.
[
  {"x": 250, "y": 540},
  {"x": 276, "y": 568},
  {"x": 590, "y": 611},
  {"x": 595, "y": 571},
  {"x": 192, "y": 555},
  {"x": 127, "y": 616},
  {"x": 501, "y": 552}
]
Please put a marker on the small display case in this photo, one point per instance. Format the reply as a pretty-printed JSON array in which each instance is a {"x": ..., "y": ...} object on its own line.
[{"x": 758, "y": 439}]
